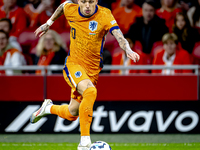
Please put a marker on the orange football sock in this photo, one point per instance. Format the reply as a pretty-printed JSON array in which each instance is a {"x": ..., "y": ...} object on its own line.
[
  {"x": 86, "y": 110},
  {"x": 63, "y": 112}
]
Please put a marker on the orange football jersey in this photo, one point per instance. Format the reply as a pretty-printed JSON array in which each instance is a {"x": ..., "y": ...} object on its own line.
[{"x": 87, "y": 36}]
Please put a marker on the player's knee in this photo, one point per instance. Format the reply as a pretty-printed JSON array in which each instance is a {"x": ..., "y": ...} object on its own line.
[{"x": 84, "y": 85}]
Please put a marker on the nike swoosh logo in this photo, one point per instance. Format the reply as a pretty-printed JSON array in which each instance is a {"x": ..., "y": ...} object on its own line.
[{"x": 89, "y": 116}]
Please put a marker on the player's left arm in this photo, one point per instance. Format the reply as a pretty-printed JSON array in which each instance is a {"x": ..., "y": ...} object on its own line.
[{"x": 123, "y": 43}]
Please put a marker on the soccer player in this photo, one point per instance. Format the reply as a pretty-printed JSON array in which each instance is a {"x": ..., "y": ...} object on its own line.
[{"x": 89, "y": 24}]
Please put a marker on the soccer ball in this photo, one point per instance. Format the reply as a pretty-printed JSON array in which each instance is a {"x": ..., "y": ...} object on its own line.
[{"x": 100, "y": 145}]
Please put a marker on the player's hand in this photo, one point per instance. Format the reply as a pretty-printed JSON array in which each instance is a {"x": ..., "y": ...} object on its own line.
[
  {"x": 42, "y": 30},
  {"x": 132, "y": 55}
]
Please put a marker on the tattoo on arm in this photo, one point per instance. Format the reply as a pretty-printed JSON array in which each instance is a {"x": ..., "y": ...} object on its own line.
[
  {"x": 59, "y": 12},
  {"x": 123, "y": 43}
]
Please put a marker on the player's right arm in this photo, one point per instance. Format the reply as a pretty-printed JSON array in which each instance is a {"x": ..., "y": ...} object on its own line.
[
  {"x": 123, "y": 43},
  {"x": 58, "y": 12}
]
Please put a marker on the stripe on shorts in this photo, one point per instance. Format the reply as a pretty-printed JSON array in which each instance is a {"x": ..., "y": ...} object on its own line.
[{"x": 70, "y": 77}]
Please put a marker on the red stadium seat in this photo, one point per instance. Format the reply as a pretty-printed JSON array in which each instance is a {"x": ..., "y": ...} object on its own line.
[
  {"x": 26, "y": 40},
  {"x": 27, "y": 37},
  {"x": 65, "y": 36},
  {"x": 33, "y": 47},
  {"x": 157, "y": 46},
  {"x": 138, "y": 46},
  {"x": 28, "y": 59},
  {"x": 145, "y": 59},
  {"x": 1, "y": 2},
  {"x": 196, "y": 53},
  {"x": 111, "y": 43},
  {"x": 196, "y": 50},
  {"x": 117, "y": 50}
]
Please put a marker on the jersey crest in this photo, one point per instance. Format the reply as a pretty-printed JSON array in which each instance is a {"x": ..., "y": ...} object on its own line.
[
  {"x": 93, "y": 25},
  {"x": 78, "y": 74}
]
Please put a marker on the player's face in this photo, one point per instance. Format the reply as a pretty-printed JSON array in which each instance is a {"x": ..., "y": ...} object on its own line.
[
  {"x": 3, "y": 41},
  {"x": 4, "y": 25},
  {"x": 180, "y": 22},
  {"x": 49, "y": 42},
  {"x": 87, "y": 7},
  {"x": 148, "y": 12},
  {"x": 170, "y": 47}
]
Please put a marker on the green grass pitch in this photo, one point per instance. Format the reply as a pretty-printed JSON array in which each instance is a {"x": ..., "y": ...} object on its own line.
[
  {"x": 114, "y": 146},
  {"x": 116, "y": 141}
]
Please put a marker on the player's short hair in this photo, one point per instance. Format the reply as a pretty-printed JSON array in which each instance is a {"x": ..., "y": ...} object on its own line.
[
  {"x": 151, "y": 2},
  {"x": 7, "y": 35},
  {"x": 7, "y": 20},
  {"x": 169, "y": 36}
]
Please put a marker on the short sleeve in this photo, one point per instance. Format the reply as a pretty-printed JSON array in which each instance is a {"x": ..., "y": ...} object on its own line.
[
  {"x": 66, "y": 6},
  {"x": 111, "y": 23},
  {"x": 69, "y": 10}
]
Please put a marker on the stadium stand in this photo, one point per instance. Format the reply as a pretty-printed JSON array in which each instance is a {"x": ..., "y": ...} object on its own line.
[
  {"x": 16, "y": 15},
  {"x": 126, "y": 16},
  {"x": 194, "y": 16},
  {"x": 196, "y": 53},
  {"x": 24, "y": 26},
  {"x": 1, "y": 3},
  {"x": 9, "y": 56},
  {"x": 187, "y": 35},
  {"x": 171, "y": 54},
  {"x": 168, "y": 12},
  {"x": 6, "y": 25},
  {"x": 50, "y": 50},
  {"x": 33, "y": 10},
  {"x": 147, "y": 29}
]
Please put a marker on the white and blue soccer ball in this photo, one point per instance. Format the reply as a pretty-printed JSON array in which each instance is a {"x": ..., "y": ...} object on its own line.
[{"x": 100, "y": 145}]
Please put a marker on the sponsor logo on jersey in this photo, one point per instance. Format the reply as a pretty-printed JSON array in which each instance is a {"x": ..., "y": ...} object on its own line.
[
  {"x": 78, "y": 74},
  {"x": 93, "y": 25},
  {"x": 113, "y": 22}
]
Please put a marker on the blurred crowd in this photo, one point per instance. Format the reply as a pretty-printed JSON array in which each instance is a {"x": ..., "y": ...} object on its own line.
[{"x": 163, "y": 32}]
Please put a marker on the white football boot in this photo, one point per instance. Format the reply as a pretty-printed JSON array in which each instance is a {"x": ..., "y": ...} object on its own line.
[
  {"x": 36, "y": 116},
  {"x": 87, "y": 147}
]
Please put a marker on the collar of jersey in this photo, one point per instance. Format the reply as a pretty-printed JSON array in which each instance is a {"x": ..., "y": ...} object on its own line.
[{"x": 88, "y": 16}]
